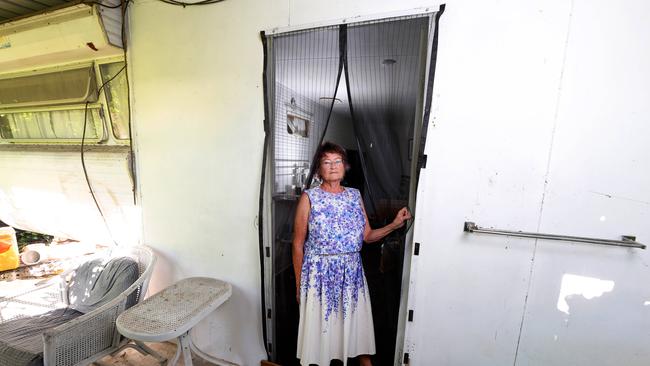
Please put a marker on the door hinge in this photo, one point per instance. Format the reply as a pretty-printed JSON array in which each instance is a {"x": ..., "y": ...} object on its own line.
[
  {"x": 423, "y": 162},
  {"x": 416, "y": 249},
  {"x": 406, "y": 359},
  {"x": 268, "y": 252},
  {"x": 411, "y": 315},
  {"x": 268, "y": 313}
]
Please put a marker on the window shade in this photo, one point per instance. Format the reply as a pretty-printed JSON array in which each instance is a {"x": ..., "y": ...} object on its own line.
[{"x": 68, "y": 86}]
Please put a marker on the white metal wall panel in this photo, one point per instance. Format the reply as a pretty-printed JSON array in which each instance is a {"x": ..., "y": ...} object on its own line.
[
  {"x": 487, "y": 153},
  {"x": 45, "y": 191},
  {"x": 112, "y": 21},
  {"x": 588, "y": 304}
]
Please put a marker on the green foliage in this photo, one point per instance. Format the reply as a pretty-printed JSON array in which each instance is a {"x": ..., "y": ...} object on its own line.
[
  {"x": 24, "y": 237},
  {"x": 29, "y": 237}
]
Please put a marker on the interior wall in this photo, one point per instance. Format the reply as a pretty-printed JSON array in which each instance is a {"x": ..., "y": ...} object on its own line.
[
  {"x": 341, "y": 131},
  {"x": 294, "y": 152}
]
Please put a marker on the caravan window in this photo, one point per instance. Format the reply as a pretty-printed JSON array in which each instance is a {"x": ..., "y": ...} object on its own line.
[
  {"x": 117, "y": 98},
  {"x": 56, "y": 105},
  {"x": 60, "y": 87},
  {"x": 65, "y": 123}
]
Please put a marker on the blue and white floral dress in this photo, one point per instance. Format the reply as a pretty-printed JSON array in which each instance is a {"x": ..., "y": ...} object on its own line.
[{"x": 335, "y": 313}]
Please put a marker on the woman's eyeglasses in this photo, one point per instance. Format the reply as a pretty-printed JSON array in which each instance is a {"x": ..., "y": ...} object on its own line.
[{"x": 330, "y": 163}]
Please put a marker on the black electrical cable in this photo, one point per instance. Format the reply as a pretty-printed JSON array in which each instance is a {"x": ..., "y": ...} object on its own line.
[
  {"x": 170, "y": 2},
  {"x": 260, "y": 215},
  {"x": 184, "y": 4},
  {"x": 83, "y": 165},
  {"x": 83, "y": 160},
  {"x": 124, "y": 6},
  {"x": 111, "y": 79}
]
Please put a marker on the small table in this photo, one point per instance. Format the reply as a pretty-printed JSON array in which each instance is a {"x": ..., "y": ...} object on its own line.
[{"x": 172, "y": 312}]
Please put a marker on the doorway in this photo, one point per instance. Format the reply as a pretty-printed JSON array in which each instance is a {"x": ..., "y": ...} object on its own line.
[{"x": 363, "y": 86}]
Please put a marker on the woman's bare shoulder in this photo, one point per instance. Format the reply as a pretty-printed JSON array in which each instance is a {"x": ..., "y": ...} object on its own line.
[
  {"x": 304, "y": 203},
  {"x": 308, "y": 193}
]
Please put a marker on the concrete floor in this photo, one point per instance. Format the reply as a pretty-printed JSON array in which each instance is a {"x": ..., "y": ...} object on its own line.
[{"x": 131, "y": 357}]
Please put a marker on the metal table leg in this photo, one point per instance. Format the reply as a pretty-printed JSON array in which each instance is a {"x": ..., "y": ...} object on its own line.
[
  {"x": 185, "y": 341},
  {"x": 151, "y": 352},
  {"x": 173, "y": 360}
]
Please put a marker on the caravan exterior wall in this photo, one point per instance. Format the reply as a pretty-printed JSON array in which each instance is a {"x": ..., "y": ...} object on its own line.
[{"x": 529, "y": 95}]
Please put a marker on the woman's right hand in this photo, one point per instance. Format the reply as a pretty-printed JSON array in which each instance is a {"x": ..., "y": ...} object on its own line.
[{"x": 401, "y": 217}]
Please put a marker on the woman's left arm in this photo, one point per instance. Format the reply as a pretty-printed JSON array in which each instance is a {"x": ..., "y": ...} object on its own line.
[{"x": 371, "y": 235}]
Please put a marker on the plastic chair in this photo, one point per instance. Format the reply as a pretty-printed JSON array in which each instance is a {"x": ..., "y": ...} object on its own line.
[{"x": 91, "y": 336}]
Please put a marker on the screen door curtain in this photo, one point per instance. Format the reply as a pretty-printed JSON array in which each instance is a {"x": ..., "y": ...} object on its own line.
[{"x": 368, "y": 75}]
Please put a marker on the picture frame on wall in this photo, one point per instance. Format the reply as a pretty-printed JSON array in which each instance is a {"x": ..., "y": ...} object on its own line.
[{"x": 297, "y": 125}]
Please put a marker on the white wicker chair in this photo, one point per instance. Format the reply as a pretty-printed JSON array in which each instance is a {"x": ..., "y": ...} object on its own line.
[{"x": 93, "y": 335}]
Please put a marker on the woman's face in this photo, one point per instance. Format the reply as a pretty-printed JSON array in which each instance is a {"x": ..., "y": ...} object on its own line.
[{"x": 332, "y": 167}]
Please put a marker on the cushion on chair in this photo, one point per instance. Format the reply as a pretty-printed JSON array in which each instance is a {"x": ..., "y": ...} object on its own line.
[{"x": 95, "y": 283}]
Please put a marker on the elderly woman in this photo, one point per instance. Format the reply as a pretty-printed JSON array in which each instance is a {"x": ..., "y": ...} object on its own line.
[{"x": 335, "y": 313}]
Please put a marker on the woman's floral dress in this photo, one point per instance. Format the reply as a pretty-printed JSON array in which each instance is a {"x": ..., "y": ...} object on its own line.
[{"x": 335, "y": 313}]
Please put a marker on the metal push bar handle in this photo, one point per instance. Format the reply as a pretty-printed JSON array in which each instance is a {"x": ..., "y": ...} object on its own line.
[{"x": 627, "y": 241}]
